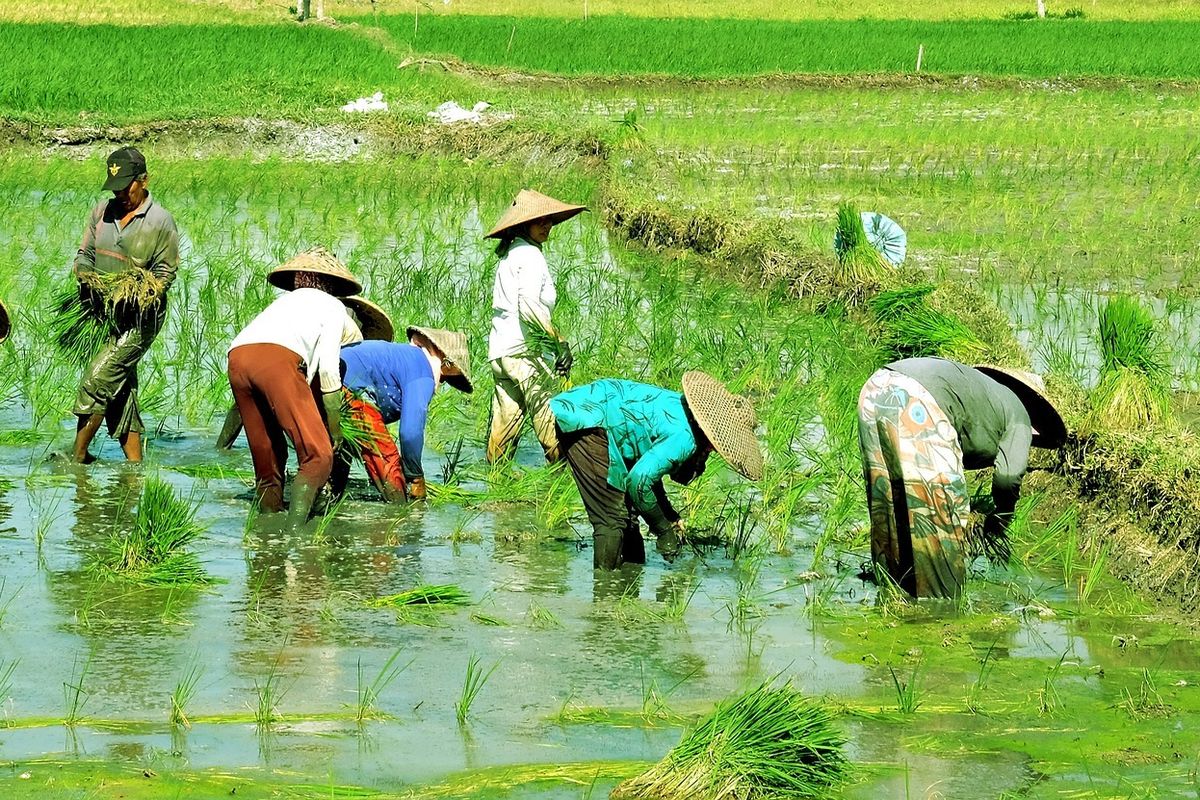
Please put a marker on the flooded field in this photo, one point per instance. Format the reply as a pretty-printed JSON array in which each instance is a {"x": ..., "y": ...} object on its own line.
[{"x": 1048, "y": 680}]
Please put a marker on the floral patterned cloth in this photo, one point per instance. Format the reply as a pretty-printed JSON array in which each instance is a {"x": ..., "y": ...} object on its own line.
[{"x": 916, "y": 486}]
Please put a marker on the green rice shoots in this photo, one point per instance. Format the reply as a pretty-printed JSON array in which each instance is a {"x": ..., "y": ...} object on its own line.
[
  {"x": 1134, "y": 389},
  {"x": 75, "y": 328},
  {"x": 860, "y": 267},
  {"x": 912, "y": 328},
  {"x": 425, "y": 595},
  {"x": 155, "y": 550},
  {"x": 771, "y": 742}
]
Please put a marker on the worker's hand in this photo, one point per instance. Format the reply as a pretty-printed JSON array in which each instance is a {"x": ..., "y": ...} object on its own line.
[
  {"x": 416, "y": 489},
  {"x": 995, "y": 525},
  {"x": 562, "y": 364},
  {"x": 333, "y": 416},
  {"x": 670, "y": 541}
]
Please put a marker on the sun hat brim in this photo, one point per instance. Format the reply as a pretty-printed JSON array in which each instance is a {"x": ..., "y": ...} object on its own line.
[
  {"x": 320, "y": 262},
  {"x": 373, "y": 320},
  {"x": 530, "y": 206},
  {"x": 1049, "y": 429},
  {"x": 727, "y": 420},
  {"x": 453, "y": 346},
  {"x": 5, "y": 322}
]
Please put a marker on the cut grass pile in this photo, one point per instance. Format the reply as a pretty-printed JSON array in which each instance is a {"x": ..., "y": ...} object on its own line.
[
  {"x": 155, "y": 550},
  {"x": 725, "y": 48},
  {"x": 424, "y": 595},
  {"x": 1134, "y": 390},
  {"x": 771, "y": 742}
]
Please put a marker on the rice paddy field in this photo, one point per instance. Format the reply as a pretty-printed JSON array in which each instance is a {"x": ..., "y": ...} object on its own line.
[{"x": 464, "y": 647}]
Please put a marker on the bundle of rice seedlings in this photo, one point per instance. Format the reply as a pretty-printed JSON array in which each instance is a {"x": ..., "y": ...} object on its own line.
[
  {"x": 911, "y": 327},
  {"x": 861, "y": 267},
  {"x": 155, "y": 551},
  {"x": 1134, "y": 390},
  {"x": 771, "y": 742},
  {"x": 357, "y": 436},
  {"x": 75, "y": 327},
  {"x": 134, "y": 289},
  {"x": 424, "y": 595}
]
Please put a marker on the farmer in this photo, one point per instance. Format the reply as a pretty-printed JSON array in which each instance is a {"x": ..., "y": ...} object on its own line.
[
  {"x": 620, "y": 438},
  {"x": 390, "y": 382},
  {"x": 129, "y": 238},
  {"x": 524, "y": 348},
  {"x": 284, "y": 367},
  {"x": 922, "y": 421}
]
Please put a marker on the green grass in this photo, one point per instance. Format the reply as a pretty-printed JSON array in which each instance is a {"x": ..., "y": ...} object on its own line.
[
  {"x": 228, "y": 71},
  {"x": 723, "y": 48}
]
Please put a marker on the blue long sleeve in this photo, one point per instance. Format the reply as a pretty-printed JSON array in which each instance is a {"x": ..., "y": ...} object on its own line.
[{"x": 413, "y": 412}]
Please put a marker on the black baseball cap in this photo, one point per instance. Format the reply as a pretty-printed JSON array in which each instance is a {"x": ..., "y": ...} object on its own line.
[{"x": 124, "y": 166}]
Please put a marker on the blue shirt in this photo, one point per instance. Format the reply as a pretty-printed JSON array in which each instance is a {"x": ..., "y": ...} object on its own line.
[
  {"x": 398, "y": 380},
  {"x": 649, "y": 435}
]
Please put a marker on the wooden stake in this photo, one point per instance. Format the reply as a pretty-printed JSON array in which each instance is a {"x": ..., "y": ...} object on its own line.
[
  {"x": 510, "y": 40},
  {"x": 920, "y": 56}
]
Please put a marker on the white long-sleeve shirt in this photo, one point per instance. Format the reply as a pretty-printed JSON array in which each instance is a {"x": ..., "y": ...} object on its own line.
[
  {"x": 310, "y": 323},
  {"x": 523, "y": 299}
]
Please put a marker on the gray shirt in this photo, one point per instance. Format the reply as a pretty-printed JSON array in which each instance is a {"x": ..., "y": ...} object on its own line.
[
  {"x": 992, "y": 424},
  {"x": 149, "y": 241}
]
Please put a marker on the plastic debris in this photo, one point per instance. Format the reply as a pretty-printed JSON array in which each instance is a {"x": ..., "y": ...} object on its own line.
[
  {"x": 451, "y": 113},
  {"x": 364, "y": 104}
]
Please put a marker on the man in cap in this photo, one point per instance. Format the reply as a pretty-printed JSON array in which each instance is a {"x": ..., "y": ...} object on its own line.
[
  {"x": 921, "y": 423},
  {"x": 284, "y": 367},
  {"x": 390, "y": 382},
  {"x": 128, "y": 233},
  {"x": 621, "y": 438}
]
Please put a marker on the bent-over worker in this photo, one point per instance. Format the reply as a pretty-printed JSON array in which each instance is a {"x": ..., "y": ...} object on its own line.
[
  {"x": 922, "y": 422},
  {"x": 621, "y": 438},
  {"x": 390, "y": 382},
  {"x": 283, "y": 367}
]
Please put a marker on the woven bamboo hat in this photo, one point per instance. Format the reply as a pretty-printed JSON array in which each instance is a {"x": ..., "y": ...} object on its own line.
[
  {"x": 727, "y": 420},
  {"x": 454, "y": 348},
  {"x": 5, "y": 325},
  {"x": 373, "y": 320},
  {"x": 531, "y": 205},
  {"x": 1049, "y": 430},
  {"x": 320, "y": 261}
]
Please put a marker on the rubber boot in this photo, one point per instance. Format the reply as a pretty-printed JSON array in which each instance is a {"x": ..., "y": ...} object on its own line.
[{"x": 302, "y": 497}]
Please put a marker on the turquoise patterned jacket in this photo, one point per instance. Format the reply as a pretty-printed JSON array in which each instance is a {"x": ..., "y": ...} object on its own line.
[{"x": 649, "y": 434}]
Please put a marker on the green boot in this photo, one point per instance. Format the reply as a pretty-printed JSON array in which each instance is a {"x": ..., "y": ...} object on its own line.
[{"x": 302, "y": 498}]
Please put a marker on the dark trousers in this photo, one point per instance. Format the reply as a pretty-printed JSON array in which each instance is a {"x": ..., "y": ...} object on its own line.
[
  {"x": 275, "y": 400},
  {"x": 616, "y": 534}
]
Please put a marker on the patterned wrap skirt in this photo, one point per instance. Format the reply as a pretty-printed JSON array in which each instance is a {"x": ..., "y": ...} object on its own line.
[{"x": 916, "y": 486}]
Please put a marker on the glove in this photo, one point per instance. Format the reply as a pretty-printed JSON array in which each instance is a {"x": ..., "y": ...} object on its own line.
[
  {"x": 671, "y": 540},
  {"x": 562, "y": 364},
  {"x": 333, "y": 416},
  {"x": 416, "y": 489}
]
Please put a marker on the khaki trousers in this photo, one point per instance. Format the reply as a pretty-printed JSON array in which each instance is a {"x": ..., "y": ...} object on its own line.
[{"x": 524, "y": 387}]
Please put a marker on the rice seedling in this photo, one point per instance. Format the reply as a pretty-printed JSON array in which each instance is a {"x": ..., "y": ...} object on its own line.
[
  {"x": 452, "y": 464},
  {"x": 908, "y": 693},
  {"x": 131, "y": 291},
  {"x": 6, "y": 682},
  {"x": 912, "y": 328},
  {"x": 488, "y": 619},
  {"x": 1146, "y": 704},
  {"x": 6, "y": 602},
  {"x": 975, "y": 691},
  {"x": 768, "y": 742},
  {"x": 75, "y": 327},
  {"x": 155, "y": 549},
  {"x": 1049, "y": 700},
  {"x": 1134, "y": 388},
  {"x": 476, "y": 678},
  {"x": 367, "y": 702},
  {"x": 425, "y": 595},
  {"x": 540, "y": 617},
  {"x": 75, "y": 695},
  {"x": 268, "y": 694},
  {"x": 182, "y": 695},
  {"x": 861, "y": 269}
]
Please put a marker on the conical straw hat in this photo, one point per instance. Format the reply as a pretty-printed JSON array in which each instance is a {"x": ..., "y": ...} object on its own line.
[
  {"x": 320, "y": 261},
  {"x": 1049, "y": 430},
  {"x": 727, "y": 420},
  {"x": 454, "y": 348},
  {"x": 5, "y": 325},
  {"x": 531, "y": 205},
  {"x": 373, "y": 320}
]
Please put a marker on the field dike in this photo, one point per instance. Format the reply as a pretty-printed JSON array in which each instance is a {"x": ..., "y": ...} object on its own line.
[{"x": 1134, "y": 490}]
